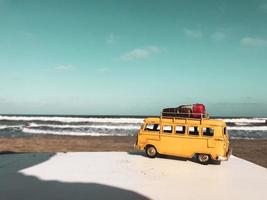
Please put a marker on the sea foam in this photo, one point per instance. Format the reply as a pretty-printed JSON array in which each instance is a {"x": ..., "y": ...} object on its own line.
[
  {"x": 244, "y": 120},
  {"x": 72, "y": 119},
  {"x": 248, "y": 128},
  {"x": 114, "y": 127},
  {"x": 71, "y": 133}
]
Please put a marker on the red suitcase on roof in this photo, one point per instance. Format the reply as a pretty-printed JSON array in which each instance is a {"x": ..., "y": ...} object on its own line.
[{"x": 198, "y": 110}]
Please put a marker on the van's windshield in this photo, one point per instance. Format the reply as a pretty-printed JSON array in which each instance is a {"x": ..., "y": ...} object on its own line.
[
  {"x": 224, "y": 131},
  {"x": 152, "y": 127},
  {"x": 225, "y": 134}
]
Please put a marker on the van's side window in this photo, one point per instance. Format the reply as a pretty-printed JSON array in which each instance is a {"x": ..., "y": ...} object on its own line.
[
  {"x": 208, "y": 131},
  {"x": 180, "y": 129},
  {"x": 152, "y": 127},
  {"x": 193, "y": 130},
  {"x": 167, "y": 129}
]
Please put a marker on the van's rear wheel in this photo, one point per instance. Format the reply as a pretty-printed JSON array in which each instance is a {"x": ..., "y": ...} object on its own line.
[
  {"x": 203, "y": 158},
  {"x": 151, "y": 151}
]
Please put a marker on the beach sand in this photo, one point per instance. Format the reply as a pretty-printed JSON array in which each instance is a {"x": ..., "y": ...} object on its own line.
[{"x": 251, "y": 150}]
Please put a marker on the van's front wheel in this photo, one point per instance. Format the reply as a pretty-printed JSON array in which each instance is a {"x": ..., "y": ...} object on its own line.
[
  {"x": 151, "y": 151},
  {"x": 203, "y": 158}
]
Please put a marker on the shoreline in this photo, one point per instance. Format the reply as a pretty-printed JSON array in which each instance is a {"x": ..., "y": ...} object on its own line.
[{"x": 253, "y": 150}]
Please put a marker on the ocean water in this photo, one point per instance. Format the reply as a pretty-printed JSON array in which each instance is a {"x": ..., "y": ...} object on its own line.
[{"x": 19, "y": 125}]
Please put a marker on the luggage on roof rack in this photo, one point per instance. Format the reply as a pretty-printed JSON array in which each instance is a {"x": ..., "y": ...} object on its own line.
[
  {"x": 198, "y": 110},
  {"x": 186, "y": 111}
]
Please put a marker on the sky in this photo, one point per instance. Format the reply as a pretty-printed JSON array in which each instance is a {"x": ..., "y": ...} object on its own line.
[{"x": 126, "y": 57}]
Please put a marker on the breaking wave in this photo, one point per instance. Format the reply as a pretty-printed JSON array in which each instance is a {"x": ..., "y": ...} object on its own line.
[
  {"x": 71, "y": 133},
  {"x": 71, "y": 119},
  {"x": 11, "y": 127},
  {"x": 243, "y": 120},
  {"x": 248, "y": 128},
  {"x": 110, "y": 126},
  {"x": 126, "y": 127}
]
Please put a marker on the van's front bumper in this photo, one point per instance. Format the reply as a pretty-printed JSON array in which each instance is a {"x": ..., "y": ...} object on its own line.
[{"x": 225, "y": 158}]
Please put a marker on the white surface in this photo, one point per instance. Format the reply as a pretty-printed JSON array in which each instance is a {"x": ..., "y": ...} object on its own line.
[{"x": 158, "y": 178}]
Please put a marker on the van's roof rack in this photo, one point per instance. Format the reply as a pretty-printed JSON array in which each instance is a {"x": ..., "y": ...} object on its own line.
[{"x": 175, "y": 115}]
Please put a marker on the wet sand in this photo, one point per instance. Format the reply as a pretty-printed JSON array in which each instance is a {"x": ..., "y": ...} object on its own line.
[{"x": 251, "y": 150}]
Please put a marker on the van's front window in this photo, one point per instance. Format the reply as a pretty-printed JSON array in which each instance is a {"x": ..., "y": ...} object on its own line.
[{"x": 152, "y": 127}]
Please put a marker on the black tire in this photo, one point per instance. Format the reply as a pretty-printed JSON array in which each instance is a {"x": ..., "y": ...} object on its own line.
[
  {"x": 203, "y": 158},
  {"x": 151, "y": 151}
]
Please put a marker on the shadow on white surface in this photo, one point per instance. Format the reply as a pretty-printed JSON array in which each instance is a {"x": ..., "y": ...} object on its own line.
[
  {"x": 17, "y": 186},
  {"x": 159, "y": 178}
]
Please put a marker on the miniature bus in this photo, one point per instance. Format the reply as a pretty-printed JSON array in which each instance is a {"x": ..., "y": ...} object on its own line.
[{"x": 204, "y": 138}]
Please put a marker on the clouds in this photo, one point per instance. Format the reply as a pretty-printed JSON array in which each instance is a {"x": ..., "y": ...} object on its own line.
[
  {"x": 112, "y": 38},
  {"x": 253, "y": 42},
  {"x": 195, "y": 34},
  {"x": 103, "y": 70},
  {"x": 199, "y": 34},
  {"x": 26, "y": 34},
  {"x": 64, "y": 68},
  {"x": 222, "y": 34},
  {"x": 141, "y": 53},
  {"x": 218, "y": 36}
]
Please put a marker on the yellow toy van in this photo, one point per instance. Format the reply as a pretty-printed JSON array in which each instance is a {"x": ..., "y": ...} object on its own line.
[{"x": 204, "y": 138}]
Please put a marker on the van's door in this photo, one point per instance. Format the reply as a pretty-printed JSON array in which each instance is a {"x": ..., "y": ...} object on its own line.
[
  {"x": 166, "y": 139},
  {"x": 208, "y": 134},
  {"x": 211, "y": 143},
  {"x": 173, "y": 140}
]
